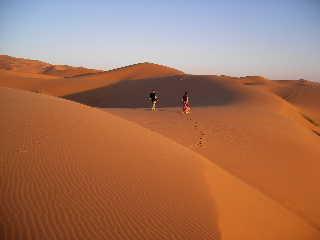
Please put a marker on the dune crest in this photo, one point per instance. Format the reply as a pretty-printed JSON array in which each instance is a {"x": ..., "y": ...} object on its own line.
[
  {"x": 27, "y": 66},
  {"x": 67, "y": 71},
  {"x": 302, "y": 94},
  {"x": 22, "y": 65},
  {"x": 136, "y": 71},
  {"x": 250, "y": 80}
]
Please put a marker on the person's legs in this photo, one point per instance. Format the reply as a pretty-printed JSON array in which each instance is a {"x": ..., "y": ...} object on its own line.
[
  {"x": 153, "y": 105},
  {"x": 185, "y": 107}
]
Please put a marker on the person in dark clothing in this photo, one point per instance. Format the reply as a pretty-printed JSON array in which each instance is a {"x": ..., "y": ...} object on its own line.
[{"x": 153, "y": 99}]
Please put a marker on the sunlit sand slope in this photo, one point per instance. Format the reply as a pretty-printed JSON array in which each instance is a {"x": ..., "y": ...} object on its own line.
[
  {"x": 58, "y": 87},
  {"x": 22, "y": 65},
  {"x": 136, "y": 71},
  {"x": 67, "y": 71},
  {"x": 27, "y": 66}
]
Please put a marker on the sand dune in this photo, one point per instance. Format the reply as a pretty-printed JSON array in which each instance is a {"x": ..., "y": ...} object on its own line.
[
  {"x": 306, "y": 97},
  {"x": 24, "y": 74},
  {"x": 243, "y": 165},
  {"x": 264, "y": 149},
  {"x": 136, "y": 71},
  {"x": 300, "y": 82},
  {"x": 208, "y": 91},
  {"x": 43, "y": 84},
  {"x": 22, "y": 65},
  {"x": 250, "y": 80},
  {"x": 102, "y": 184},
  {"x": 27, "y": 66},
  {"x": 67, "y": 71},
  {"x": 251, "y": 133}
]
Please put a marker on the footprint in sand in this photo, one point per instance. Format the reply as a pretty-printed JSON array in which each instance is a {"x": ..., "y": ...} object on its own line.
[
  {"x": 200, "y": 143},
  {"x": 22, "y": 150}
]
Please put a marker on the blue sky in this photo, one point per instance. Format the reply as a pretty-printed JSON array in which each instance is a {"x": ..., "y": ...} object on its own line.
[{"x": 276, "y": 39}]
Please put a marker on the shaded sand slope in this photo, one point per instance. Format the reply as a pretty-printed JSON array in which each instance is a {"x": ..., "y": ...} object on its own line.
[
  {"x": 204, "y": 90},
  {"x": 73, "y": 172}
]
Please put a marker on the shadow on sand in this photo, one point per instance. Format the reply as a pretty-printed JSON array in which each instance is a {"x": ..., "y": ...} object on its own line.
[{"x": 203, "y": 91}]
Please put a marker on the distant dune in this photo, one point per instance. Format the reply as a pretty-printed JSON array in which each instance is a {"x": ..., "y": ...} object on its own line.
[
  {"x": 84, "y": 157},
  {"x": 66, "y": 71},
  {"x": 22, "y": 65}
]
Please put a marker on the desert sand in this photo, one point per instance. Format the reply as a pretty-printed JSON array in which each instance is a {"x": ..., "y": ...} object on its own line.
[{"x": 84, "y": 157}]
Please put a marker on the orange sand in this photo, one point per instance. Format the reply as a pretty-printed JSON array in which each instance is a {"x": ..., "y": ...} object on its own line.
[{"x": 244, "y": 164}]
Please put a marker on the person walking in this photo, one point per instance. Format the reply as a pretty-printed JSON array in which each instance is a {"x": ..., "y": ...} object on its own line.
[
  {"x": 153, "y": 99},
  {"x": 185, "y": 103}
]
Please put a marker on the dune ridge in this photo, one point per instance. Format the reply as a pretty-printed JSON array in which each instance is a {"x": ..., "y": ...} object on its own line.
[
  {"x": 305, "y": 97},
  {"x": 136, "y": 71},
  {"x": 45, "y": 70},
  {"x": 244, "y": 164},
  {"x": 67, "y": 71},
  {"x": 22, "y": 65},
  {"x": 27, "y": 75}
]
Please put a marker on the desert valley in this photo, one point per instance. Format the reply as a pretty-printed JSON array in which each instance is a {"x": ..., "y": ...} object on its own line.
[{"x": 84, "y": 157}]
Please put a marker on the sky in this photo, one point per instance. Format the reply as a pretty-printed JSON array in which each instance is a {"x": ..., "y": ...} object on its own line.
[{"x": 276, "y": 39}]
